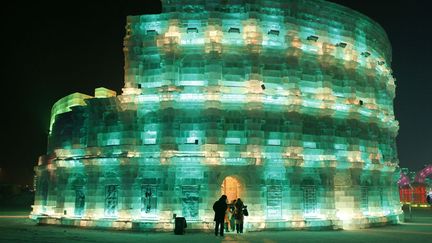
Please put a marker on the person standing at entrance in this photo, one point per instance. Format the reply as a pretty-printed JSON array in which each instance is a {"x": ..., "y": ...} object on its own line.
[
  {"x": 227, "y": 219},
  {"x": 220, "y": 207},
  {"x": 231, "y": 208},
  {"x": 239, "y": 216}
]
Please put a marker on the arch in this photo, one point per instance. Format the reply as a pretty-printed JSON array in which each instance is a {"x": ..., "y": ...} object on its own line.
[
  {"x": 308, "y": 181},
  {"x": 365, "y": 180},
  {"x": 232, "y": 188},
  {"x": 77, "y": 180},
  {"x": 421, "y": 175},
  {"x": 110, "y": 177}
]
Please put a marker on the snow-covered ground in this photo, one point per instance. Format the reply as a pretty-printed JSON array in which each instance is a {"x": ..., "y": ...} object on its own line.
[{"x": 18, "y": 228}]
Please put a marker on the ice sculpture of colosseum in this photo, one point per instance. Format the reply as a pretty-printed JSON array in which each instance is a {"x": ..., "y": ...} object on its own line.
[{"x": 285, "y": 104}]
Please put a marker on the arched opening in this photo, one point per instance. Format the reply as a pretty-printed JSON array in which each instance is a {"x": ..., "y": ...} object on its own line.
[{"x": 231, "y": 188}]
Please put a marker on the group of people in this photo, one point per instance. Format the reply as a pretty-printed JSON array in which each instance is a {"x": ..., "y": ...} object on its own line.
[{"x": 229, "y": 215}]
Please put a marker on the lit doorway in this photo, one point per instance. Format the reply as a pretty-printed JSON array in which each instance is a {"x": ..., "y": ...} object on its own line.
[{"x": 231, "y": 188}]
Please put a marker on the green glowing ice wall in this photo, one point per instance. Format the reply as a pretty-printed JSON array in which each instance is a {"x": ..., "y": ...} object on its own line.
[
  {"x": 64, "y": 105},
  {"x": 292, "y": 98}
]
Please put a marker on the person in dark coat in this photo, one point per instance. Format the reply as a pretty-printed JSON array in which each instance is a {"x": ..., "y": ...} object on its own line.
[
  {"x": 239, "y": 216},
  {"x": 220, "y": 207}
]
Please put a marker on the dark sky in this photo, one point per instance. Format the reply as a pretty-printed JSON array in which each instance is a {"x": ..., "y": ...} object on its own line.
[{"x": 51, "y": 50}]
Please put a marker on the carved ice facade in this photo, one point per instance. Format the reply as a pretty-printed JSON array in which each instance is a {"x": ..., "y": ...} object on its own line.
[{"x": 286, "y": 104}]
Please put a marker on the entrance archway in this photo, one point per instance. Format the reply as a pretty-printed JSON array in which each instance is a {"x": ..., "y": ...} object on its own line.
[{"x": 231, "y": 187}]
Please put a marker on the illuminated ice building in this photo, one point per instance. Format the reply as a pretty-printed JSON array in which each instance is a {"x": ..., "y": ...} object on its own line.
[{"x": 287, "y": 104}]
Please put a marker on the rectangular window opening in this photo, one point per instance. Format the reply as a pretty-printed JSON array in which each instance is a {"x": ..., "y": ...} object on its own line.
[
  {"x": 152, "y": 32},
  {"x": 234, "y": 30},
  {"x": 191, "y": 30},
  {"x": 273, "y": 32}
]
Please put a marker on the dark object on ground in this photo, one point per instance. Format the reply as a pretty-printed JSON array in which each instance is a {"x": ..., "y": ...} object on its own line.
[{"x": 180, "y": 226}]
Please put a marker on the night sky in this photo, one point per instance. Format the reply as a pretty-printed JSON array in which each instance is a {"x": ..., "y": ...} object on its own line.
[{"x": 54, "y": 49}]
